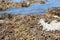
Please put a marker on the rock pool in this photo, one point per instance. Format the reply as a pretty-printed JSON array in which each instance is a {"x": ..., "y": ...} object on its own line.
[{"x": 35, "y": 8}]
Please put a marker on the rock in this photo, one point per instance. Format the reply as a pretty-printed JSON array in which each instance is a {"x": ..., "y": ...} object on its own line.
[
  {"x": 42, "y": 2},
  {"x": 5, "y": 5},
  {"x": 2, "y": 21},
  {"x": 25, "y": 4},
  {"x": 54, "y": 11},
  {"x": 25, "y": 27}
]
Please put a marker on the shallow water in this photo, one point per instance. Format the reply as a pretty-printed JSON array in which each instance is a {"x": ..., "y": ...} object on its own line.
[{"x": 35, "y": 8}]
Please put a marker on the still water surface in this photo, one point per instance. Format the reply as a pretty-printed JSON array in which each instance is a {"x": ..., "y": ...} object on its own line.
[{"x": 35, "y": 8}]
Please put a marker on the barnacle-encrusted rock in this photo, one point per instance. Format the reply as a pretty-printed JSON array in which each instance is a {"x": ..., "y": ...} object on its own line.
[
  {"x": 54, "y": 11},
  {"x": 26, "y": 27},
  {"x": 5, "y": 5}
]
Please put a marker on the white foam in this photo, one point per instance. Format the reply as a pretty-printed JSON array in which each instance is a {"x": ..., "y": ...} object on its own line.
[
  {"x": 2, "y": 21},
  {"x": 54, "y": 25}
]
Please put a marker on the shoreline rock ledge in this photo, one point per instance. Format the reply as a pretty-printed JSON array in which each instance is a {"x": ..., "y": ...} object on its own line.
[{"x": 27, "y": 27}]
